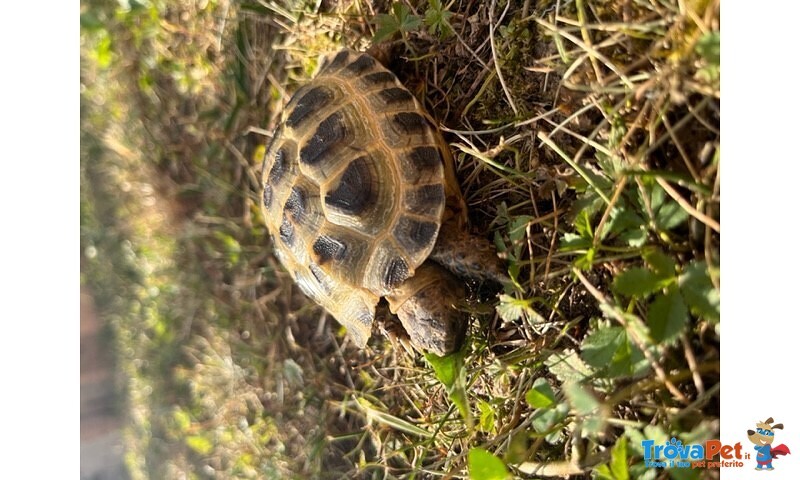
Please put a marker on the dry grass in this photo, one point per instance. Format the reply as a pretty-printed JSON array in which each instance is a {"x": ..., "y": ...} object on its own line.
[{"x": 586, "y": 136}]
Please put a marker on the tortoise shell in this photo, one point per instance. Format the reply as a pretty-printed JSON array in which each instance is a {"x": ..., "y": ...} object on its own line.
[{"x": 355, "y": 184}]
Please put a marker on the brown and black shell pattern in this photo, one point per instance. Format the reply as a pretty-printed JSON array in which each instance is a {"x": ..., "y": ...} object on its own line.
[{"x": 353, "y": 187}]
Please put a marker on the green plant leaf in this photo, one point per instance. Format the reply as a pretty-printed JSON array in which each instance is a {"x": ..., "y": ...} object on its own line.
[
  {"x": 637, "y": 282},
  {"x": 609, "y": 349},
  {"x": 628, "y": 361},
  {"x": 670, "y": 215},
  {"x": 486, "y": 421},
  {"x": 617, "y": 468},
  {"x": 581, "y": 400},
  {"x": 634, "y": 238},
  {"x": 517, "y": 227},
  {"x": 541, "y": 394},
  {"x": 594, "y": 183},
  {"x": 603, "y": 472},
  {"x": 699, "y": 293},
  {"x": 613, "y": 165},
  {"x": 437, "y": 18},
  {"x": 586, "y": 260},
  {"x": 662, "y": 264},
  {"x": 708, "y": 48},
  {"x": 619, "y": 459},
  {"x": 510, "y": 308},
  {"x": 485, "y": 466},
  {"x": 567, "y": 365},
  {"x": 573, "y": 241},
  {"x": 387, "y": 25},
  {"x": 622, "y": 220},
  {"x": 657, "y": 195},
  {"x": 400, "y": 21},
  {"x": 450, "y": 371},
  {"x": 407, "y": 21},
  {"x": 667, "y": 316},
  {"x": 599, "y": 347},
  {"x": 586, "y": 407},
  {"x": 547, "y": 421},
  {"x": 583, "y": 224},
  {"x": 590, "y": 202},
  {"x": 445, "y": 368}
]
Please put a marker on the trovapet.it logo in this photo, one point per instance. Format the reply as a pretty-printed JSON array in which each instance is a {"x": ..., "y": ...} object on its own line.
[{"x": 674, "y": 454}]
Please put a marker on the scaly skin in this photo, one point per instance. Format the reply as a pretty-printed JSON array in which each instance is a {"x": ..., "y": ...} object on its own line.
[
  {"x": 426, "y": 306},
  {"x": 468, "y": 256}
]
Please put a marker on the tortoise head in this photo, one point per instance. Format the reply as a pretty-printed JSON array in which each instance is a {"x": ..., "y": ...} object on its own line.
[{"x": 425, "y": 305}]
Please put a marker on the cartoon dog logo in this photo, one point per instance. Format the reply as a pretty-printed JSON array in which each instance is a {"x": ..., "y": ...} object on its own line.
[{"x": 763, "y": 438}]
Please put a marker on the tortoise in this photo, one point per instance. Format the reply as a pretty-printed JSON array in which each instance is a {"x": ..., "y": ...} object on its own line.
[{"x": 361, "y": 200}]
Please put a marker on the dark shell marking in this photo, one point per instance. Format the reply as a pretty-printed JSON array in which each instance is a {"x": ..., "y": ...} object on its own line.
[
  {"x": 413, "y": 234},
  {"x": 295, "y": 205},
  {"x": 279, "y": 168},
  {"x": 379, "y": 78},
  {"x": 267, "y": 196},
  {"x": 312, "y": 101},
  {"x": 357, "y": 189},
  {"x": 424, "y": 200},
  {"x": 410, "y": 122},
  {"x": 328, "y": 248},
  {"x": 362, "y": 64},
  {"x": 337, "y": 62},
  {"x": 320, "y": 277},
  {"x": 396, "y": 95},
  {"x": 287, "y": 232},
  {"x": 330, "y": 132},
  {"x": 396, "y": 273},
  {"x": 421, "y": 164}
]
